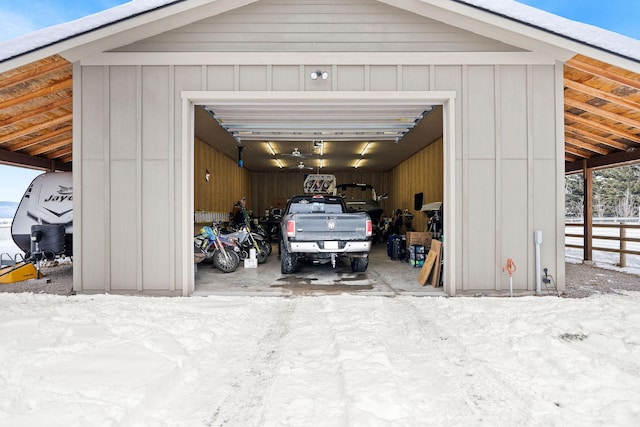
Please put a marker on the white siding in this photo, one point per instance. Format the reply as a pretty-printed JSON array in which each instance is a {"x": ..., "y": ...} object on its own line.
[
  {"x": 95, "y": 243},
  {"x": 505, "y": 146},
  {"x": 318, "y": 26}
]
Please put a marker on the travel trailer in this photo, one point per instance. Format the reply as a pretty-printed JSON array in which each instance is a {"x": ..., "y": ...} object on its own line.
[{"x": 47, "y": 201}]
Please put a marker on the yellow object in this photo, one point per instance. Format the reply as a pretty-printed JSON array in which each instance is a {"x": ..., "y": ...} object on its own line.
[{"x": 18, "y": 273}]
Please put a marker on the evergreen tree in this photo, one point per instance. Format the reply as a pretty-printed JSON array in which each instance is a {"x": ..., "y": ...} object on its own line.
[
  {"x": 616, "y": 192},
  {"x": 573, "y": 190}
]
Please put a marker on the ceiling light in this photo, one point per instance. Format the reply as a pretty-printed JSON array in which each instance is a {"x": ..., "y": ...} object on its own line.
[
  {"x": 321, "y": 163},
  {"x": 319, "y": 146},
  {"x": 357, "y": 163},
  {"x": 364, "y": 150},
  {"x": 322, "y": 74},
  {"x": 278, "y": 163},
  {"x": 273, "y": 153}
]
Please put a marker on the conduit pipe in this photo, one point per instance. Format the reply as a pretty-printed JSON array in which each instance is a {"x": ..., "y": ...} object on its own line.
[{"x": 537, "y": 237}]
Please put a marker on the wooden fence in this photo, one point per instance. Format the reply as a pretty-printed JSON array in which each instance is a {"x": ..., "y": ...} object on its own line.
[{"x": 621, "y": 238}]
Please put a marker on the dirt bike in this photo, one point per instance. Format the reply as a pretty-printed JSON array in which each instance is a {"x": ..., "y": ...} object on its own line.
[
  {"x": 248, "y": 240},
  {"x": 222, "y": 250}
]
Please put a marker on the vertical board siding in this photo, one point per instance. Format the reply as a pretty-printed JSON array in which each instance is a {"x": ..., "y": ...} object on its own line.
[
  {"x": 513, "y": 228},
  {"x": 318, "y": 26},
  {"x": 123, "y": 112},
  {"x": 94, "y": 240},
  {"x": 505, "y": 147},
  {"x": 513, "y": 111},
  {"x": 93, "y": 237},
  {"x": 155, "y": 113},
  {"x": 228, "y": 182},
  {"x": 155, "y": 226},
  {"x": 481, "y": 101},
  {"x": 422, "y": 173},
  {"x": 482, "y": 262},
  {"x": 124, "y": 229}
]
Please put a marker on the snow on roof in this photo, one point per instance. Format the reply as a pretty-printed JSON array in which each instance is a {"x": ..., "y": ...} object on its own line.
[
  {"x": 577, "y": 31},
  {"x": 57, "y": 33},
  {"x": 583, "y": 33}
]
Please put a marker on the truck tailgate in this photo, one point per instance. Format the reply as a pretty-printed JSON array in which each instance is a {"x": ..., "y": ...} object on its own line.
[{"x": 310, "y": 227}]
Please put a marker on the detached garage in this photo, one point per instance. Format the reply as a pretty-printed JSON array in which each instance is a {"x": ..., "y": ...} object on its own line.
[{"x": 460, "y": 102}]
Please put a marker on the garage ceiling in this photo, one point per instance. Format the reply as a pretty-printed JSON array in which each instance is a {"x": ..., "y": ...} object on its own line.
[
  {"x": 602, "y": 123},
  {"x": 325, "y": 136}
]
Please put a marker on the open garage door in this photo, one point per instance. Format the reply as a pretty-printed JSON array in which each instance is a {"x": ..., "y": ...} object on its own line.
[{"x": 275, "y": 132}]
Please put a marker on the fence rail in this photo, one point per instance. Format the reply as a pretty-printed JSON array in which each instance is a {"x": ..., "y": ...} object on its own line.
[{"x": 621, "y": 238}]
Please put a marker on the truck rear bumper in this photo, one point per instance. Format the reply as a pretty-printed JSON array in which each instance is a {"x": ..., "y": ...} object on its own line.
[{"x": 315, "y": 247}]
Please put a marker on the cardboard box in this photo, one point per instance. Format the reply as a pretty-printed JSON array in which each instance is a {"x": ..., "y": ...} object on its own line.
[
  {"x": 250, "y": 263},
  {"x": 422, "y": 238}
]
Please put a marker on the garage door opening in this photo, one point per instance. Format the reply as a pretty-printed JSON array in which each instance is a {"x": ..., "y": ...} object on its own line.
[{"x": 281, "y": 138}]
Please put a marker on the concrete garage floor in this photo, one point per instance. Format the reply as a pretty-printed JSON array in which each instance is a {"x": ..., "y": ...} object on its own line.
[{"x": 383, "y": 277}]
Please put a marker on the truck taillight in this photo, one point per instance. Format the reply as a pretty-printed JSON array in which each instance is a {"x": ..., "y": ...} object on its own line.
[
  {"x": 291, "y": 228},
  {"x": 369, "y": 228}
]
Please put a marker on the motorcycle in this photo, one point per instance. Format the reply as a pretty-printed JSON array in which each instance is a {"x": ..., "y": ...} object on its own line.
[
  {"x": 222, "y": 250},
  {"x": 270, "y": 223},
  {"x": 248, "y": 240}
]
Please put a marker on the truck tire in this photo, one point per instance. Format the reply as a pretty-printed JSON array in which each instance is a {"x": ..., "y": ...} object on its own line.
[
  {"x": 359, "y": 265},
  {"x": 288, "y": 261}
]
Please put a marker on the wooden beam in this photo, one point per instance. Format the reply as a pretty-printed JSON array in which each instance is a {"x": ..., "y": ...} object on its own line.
[
  {"x": 576, "y": 152},
  {"x": 598, "y": 93},
  {"x": 596, "y": 138},
  {"x": 34, "y": 72},
  {"x": 42, "y": 138},
  {"x": 619, "y": 158},
  {"x": 26, "y": 113},
  {"x": 602, "y": 127},
  {"x": 600, "y": 112},
  {"x": 19, "y": 159},
  {"x": 587, "y": 175},
  {"x": 584, "y": 145},
  {"x": 606, "y": 74},
  {"x": 61, "y": 153},
  {"x": 42, "y": 148},
  {"x": 62, "y": 85},
  {"x": 36, "y": 128}
]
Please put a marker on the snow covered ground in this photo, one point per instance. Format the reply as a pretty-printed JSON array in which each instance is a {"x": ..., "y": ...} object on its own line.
[{"x": 319, "y": 361}]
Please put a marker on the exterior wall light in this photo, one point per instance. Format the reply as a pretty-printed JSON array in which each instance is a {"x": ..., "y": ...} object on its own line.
[{"x": 322, "y": 74}]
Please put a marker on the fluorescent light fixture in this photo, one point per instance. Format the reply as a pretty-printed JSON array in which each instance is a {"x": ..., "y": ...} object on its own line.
[
  {"x": 273, "y": 153},
  {"x": 278, "y": 163},
  {"x": 321, "y": 163},
  {"x": 357, "y": 163},
  {"x": 365, "y": 149}
]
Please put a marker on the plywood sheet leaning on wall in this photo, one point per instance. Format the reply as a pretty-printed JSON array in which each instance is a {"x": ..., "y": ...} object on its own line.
[{"x": 431, "y": 265}]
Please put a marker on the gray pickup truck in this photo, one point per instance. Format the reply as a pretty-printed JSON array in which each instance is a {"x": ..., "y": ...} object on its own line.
[{"x": 320, "y": 229}]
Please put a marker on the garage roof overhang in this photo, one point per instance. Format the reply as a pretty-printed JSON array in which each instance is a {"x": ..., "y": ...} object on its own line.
[
  {"x": 601, "y": 110},
  {"x": 602, "y": 87}
]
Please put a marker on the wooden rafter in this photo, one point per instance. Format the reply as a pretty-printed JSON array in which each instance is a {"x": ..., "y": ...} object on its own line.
[
  {"x": 44, "y": 138},
  {"x": 36, "y": 114},
  {"x": 602, "y": 113}
]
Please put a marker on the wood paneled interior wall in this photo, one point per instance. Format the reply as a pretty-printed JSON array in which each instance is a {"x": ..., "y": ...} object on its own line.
[
  {"x": 272, "y": 189},
  {"x": 228, "y": 183},
  {"x": 421, "y": 173}
]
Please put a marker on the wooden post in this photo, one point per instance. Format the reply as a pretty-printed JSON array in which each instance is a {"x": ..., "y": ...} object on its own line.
[
  {"x": 587, "y": 175},
  {"x": 623, "y": 244}
]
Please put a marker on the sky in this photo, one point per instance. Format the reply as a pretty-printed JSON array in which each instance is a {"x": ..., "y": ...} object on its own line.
[{"x": 24, "y": 16}]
